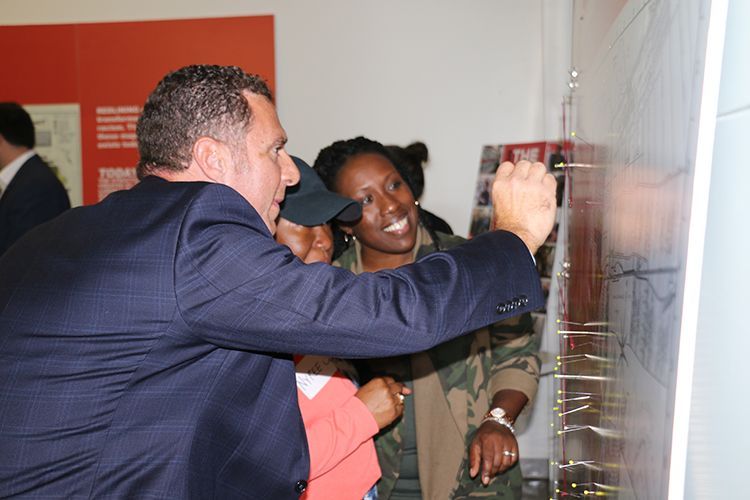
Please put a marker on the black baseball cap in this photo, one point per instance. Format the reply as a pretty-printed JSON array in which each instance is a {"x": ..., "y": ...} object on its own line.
[{"x": 309, "y": 203}]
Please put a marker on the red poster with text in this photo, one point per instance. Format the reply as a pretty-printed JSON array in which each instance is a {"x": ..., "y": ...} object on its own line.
[{"x": 109, "y": 70}]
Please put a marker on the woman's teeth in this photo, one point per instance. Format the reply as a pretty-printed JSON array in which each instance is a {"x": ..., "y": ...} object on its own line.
[{"x": 396, "y": 226}]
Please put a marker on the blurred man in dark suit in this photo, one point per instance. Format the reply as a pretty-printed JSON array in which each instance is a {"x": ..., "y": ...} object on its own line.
[{"x": 30, "y": 193}]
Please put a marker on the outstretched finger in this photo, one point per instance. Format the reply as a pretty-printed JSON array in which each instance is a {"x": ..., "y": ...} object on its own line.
[
  {"x": 488, "y": 463},
  {"x": 498, "y": 462},
  {"x": 475, "y": 458}
]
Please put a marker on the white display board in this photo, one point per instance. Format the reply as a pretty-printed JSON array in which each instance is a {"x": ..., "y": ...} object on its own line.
[{"x": 643, "y": 137}]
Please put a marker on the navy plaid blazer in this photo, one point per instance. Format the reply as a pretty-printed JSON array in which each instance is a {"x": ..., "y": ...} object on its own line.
[{"x": 145, "y": 341}]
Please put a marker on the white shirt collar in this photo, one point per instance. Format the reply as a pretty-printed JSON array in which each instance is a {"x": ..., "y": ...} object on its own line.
[{"x": 11, "y": 169}]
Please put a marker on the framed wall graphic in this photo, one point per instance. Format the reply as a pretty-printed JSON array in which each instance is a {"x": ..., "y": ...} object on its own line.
[{"x": 58, "y": 141}]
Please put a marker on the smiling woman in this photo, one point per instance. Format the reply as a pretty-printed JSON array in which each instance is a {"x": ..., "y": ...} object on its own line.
[
  {"x": 388, "y": 228},
  {"x": 480, "y": 382},
  {"x": 340, "y": 418}
]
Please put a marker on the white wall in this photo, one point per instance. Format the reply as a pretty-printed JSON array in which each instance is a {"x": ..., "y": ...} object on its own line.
[
  {"x": 719, "y": 441},
  {"x": 456, "y": 75}
]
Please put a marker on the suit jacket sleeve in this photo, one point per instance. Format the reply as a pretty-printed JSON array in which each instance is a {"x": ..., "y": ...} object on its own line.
[{"x": 237, "y": 288}]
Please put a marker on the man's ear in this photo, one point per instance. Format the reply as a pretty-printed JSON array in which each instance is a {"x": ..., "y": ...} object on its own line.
[{"x": 211, "y": 156}]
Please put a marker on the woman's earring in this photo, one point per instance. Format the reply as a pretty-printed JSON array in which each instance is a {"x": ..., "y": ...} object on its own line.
[{"x": 416, "y": 202}]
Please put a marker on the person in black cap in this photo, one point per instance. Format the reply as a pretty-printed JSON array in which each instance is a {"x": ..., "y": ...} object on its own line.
[
  {"x": 308, "y": 208},
  {"x": 340, "y": 420}
]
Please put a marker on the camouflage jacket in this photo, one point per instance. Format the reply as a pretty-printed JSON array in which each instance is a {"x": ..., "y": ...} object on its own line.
[{"x": 453, "y": 388}]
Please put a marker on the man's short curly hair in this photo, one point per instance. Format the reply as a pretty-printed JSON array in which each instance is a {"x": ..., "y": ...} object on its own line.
[
  {"x": 189, "y": 103},
  {"x": 332, "y": 159}
]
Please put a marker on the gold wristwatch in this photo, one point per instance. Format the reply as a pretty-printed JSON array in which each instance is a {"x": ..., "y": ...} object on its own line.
[{"x": 499, "y": 416}]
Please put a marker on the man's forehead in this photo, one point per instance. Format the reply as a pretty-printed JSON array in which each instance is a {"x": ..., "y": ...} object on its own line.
[
  {"x": 258, "y": 100},
  {"x": 264, "y": 111}
]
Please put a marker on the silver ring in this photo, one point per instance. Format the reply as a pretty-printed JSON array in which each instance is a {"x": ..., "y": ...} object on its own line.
[
  {"x": 509, "y": 453},
  {"x": 401, "y": 397}
]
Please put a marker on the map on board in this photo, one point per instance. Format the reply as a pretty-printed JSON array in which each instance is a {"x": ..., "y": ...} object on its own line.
[{"x": 636, "y": 105}]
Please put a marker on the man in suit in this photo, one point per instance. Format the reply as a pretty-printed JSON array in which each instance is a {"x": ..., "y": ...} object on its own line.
[
  {"x": 30, "y": 193},
  {"x": 145, "y": 341}
]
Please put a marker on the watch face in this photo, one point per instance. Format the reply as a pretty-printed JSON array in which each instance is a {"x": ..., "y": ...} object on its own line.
[{"x": 497, "y": 412}]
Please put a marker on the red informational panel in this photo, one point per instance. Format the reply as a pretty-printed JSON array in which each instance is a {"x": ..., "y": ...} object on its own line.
[
  {"x": 109, "y": 70},
  {"x": 40, "y": 64}
]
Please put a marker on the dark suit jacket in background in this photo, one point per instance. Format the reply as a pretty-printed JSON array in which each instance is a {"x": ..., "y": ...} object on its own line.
[
  {"x": 35, "y": 195},
  {"x": 138, "y": 340}
]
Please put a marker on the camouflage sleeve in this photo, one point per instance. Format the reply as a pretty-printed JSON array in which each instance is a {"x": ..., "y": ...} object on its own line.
[{"x": 515, "y": 359}]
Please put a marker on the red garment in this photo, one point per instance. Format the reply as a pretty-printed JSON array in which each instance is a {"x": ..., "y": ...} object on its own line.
[{"x": 343, "y": 462}]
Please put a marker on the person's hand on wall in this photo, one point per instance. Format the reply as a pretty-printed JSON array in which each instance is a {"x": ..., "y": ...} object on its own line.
[
  {"x": 523, "y": 201},
  {"x": 384, "y": 397}
]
